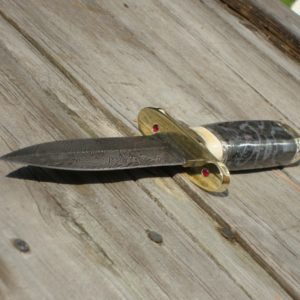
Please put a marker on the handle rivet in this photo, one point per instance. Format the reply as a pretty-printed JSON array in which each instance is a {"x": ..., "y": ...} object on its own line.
[
  {"x": 155, "y": 128},
  {"x": 205, "y": 172}
]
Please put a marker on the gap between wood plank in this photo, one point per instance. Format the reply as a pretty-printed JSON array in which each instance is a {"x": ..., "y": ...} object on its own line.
[
  {"x": 272, "y": 27},
  {"x": 125, "y": 129},
  {"x": 235, "y": 236}
]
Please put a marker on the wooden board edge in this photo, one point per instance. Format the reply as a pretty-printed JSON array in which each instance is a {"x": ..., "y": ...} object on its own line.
[{"x": 276, "y": 22}]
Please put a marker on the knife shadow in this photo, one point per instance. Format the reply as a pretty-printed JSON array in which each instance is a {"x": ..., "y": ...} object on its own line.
[
  {"x": 89, "y": 177},
  {"x": 39, "y": 174}
]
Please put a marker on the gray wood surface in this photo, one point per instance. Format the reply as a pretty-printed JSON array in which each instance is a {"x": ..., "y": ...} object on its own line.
[
  {"x": 84, "y": 69},
  {"x": 273, "y": 19}
]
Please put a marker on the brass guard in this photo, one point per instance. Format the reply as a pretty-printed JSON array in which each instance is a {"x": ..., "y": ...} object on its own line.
[{"x": 199, "y": 158}]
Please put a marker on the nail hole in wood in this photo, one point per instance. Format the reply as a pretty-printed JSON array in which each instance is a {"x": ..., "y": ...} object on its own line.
[
  {"x": 21, "y": 245},
  {"x": 154, "y": 236}
]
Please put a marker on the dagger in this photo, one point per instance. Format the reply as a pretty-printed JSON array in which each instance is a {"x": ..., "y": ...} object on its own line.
[{"x": 208, "y": 153}]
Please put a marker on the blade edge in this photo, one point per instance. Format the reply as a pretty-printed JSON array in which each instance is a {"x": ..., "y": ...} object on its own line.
[{"x": 100, "y": 154}]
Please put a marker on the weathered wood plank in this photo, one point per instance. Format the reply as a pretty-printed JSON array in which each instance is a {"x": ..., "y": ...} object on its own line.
[
  {"x": 106, "y": 43},
  {"x": 125, "y": 58},
  {"x": 274, "y": 20},
  {"x": 273, "y": 76},
  {"x": 243, "y": 88},
  {"x": 87, "y": 232}
]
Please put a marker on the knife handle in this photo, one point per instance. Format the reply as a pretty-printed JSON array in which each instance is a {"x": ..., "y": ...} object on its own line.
[{"x": 248, "y": 145}]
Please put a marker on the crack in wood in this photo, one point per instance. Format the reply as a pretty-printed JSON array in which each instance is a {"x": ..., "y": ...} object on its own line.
[{"x": 270, "y": 26}]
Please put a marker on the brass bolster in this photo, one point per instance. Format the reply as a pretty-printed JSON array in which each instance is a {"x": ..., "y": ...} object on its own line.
[{"x": 202, "y": 167}]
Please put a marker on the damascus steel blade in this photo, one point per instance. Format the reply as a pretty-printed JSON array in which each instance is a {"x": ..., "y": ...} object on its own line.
[{"x": 101, "y": 154}]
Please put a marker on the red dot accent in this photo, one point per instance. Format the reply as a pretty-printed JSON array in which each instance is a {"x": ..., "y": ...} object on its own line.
[
  {"x": 155, "y": 128},
  {"x": 205, "y": 172}
]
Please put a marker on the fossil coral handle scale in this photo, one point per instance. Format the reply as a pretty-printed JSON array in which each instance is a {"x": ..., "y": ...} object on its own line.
[{"x": 245, "y": 145}]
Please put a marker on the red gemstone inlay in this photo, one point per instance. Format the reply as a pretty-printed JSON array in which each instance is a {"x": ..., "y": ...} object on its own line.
[
  {"x": 155, "y": 128},
  {"x": 205, "y": 172}
]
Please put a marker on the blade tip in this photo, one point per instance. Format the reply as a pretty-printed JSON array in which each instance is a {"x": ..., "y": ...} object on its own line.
[
  {"x": 9, "y": 157},
  {"x": 4, "y": 157}
]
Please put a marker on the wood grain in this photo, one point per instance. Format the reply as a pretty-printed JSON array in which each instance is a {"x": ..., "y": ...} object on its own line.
[
  {"x": 203, "y": 65},
  {"x": 87, "y": 233},
  {"x": 274, "y": 20}
]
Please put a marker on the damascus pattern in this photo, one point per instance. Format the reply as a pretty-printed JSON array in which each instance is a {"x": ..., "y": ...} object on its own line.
[
  {"x": 101, "y": 154},
  {"x": 255, "y": 144}
]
